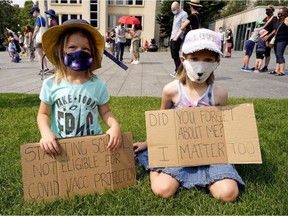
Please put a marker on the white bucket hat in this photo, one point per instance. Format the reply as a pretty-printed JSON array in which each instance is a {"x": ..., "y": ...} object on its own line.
[{"x": 201, "y": 39}]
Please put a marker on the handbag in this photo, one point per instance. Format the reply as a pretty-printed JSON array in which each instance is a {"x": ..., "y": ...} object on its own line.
[
  {"x": 272, "y": 42},
  {"x": 41, "y": 31}
]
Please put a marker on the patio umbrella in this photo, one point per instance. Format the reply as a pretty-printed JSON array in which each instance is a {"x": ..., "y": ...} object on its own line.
[{"x": 128, "y": 20}]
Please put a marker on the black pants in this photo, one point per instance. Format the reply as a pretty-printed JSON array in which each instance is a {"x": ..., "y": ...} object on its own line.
[{"x": 174, "y": 49}]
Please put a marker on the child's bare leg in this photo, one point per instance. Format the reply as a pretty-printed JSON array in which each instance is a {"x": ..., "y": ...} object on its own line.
[
  {"x": 163, "y": 185},
  {"x": 225, "y": 190}
]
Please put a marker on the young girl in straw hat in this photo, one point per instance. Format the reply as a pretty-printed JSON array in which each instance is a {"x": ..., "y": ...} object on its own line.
[
  {"x": 74, "y": 96},
  {"x": 194, "y": 87}
]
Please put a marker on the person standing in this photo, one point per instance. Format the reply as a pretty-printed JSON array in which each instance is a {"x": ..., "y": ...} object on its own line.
[
  {"x": 281, "y": 42},
  {"x": 271, "y": 28},
  {"x": 222, "y": 35},
  {"x": 121, "y": 41},
  {"x": 229, "y": 43},
  {"x": 176, "y": 39},
  {"x": 40, "y": 22},
  {"x": 30, "y": 45},
  {"x": 193, "y": 21},
  {"x": 51, "y": 14},
  {"x": 135, "y": 43}
]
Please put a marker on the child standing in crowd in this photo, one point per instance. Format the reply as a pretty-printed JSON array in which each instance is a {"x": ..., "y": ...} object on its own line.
[
  {"x": 194, "y": 86},
  {"x": 260, "y": 50},
  {"x": 249, "y": 45},
  {"x": 13, "y": 50},
  {"x": 74, "y": 96}
]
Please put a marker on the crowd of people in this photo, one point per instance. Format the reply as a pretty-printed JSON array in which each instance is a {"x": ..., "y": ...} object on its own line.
[
  {"x": 25, "y": 43},
  {"x": 270, "y": 32}
]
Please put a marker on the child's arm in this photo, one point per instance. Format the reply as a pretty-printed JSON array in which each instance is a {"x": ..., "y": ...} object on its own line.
[
  {"x": 48, "y": 139},
  {"x": 169, "y": 95},
  {"x": 114, "y": 132},
  {"x": 221, "y": 95}
]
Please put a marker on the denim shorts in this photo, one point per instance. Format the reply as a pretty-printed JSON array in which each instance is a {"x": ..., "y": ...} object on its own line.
[
  {"x": 249, "y": 46},
  {"x": 200, "y": 176}
]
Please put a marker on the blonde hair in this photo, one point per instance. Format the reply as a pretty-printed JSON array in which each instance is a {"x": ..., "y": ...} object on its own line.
[
  {"x": 183, "y": 77},
  {"x": 58, "y": 53}
]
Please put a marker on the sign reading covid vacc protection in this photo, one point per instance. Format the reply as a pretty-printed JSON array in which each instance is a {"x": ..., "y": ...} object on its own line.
[{"x": 84, "y": 166}]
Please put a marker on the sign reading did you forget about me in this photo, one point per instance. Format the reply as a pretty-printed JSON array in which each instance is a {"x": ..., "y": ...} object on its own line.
[
  {"x": 202, "y": 136},
  {"x": 84, "y": 166}
]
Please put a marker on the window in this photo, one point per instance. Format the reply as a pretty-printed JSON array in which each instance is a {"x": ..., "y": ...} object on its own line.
[
  {"x": 64, "y": 1},
  {"x": 94, "y": 13},
  {"x": 73, "y": 16},
  {"x": 64, "y": 17},
  {"x": 54, "y": 1},
  {"x": 139, "y": 2},
  {"x": 125, "y": 2},
  {"x": 73, "y": 1}
]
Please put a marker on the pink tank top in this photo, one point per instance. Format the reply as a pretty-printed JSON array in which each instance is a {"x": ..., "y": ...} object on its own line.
[{"x": 207, "y": 99}]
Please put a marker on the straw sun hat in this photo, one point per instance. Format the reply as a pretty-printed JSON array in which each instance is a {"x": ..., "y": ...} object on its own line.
[
  {"x": 195, "y": 3},
  {"x": 51, "y": 37}
]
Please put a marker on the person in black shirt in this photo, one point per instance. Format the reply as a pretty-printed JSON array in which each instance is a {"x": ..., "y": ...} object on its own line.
[
  {"x": 281, "y": 42},
  {"x": 271, "y": 28}
]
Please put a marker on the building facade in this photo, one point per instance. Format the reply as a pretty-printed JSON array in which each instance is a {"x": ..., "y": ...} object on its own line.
[
  {"x": 242, "y": 24},
  {"x": 104, "y": 14}
]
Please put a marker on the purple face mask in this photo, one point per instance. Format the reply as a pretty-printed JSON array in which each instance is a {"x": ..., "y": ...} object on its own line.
[{"x": 78, "y": 60}]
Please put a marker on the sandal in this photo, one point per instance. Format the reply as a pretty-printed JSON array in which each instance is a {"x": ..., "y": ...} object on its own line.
[
  {"x": 279, "y": 74},
  {"x": 272, "y": 72}
]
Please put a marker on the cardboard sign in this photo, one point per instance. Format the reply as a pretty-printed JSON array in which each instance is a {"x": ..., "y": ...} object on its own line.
[
  {"x": 84, "y": 166},
  {"x": 202, "y": 136}
]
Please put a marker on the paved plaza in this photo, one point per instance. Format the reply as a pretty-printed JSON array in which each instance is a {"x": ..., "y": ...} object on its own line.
[{"x": 149, "y": 77}]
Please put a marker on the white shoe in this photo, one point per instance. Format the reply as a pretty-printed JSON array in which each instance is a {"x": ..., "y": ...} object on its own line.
[
  {"x": 133, "y": 62},
  {"x": 137, "y": 62}
]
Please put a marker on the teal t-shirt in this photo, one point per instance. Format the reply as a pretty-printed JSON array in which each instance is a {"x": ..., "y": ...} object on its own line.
[{"x": 74, "y": 106}]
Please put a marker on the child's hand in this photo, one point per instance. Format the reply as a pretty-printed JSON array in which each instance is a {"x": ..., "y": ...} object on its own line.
[
  {"x": 115, "y": 137},
  {"x": 49, "y": 144},
  {"x": 139, "y": 146}
]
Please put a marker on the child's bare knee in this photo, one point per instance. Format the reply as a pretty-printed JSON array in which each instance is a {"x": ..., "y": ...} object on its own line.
[
  {"x": 226, "y": 190},
  {"x": 162, "y": 190}
]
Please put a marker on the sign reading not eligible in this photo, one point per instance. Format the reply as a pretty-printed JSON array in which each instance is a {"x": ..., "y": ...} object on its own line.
[
  {"x": 84, "y": 166},
  {"x": 202, "y": 136}
]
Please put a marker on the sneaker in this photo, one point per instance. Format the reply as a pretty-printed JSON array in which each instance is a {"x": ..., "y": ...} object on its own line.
[
  {"x": 256, "y": 71},
  {"x": 46, "y": 69},
  {"x": 173, "y": 74},
  {"x": 264, "y": 69},
  {"x": 137, "y": 62},
  {"x": 242, "y": 68},
  {"x": 133, "y": 62},
  {"x": 247, "y": 69}
]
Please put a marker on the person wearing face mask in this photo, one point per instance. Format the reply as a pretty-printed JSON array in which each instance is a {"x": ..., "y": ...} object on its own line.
[
  {"x": 51, "y": 14},
  {"x": 40, "y": 22},
  {"x": 194, "y": 87},
  {"x": 271, "y": 25},
  {"x": 176, "y": 39},
  {"x": 281, "y": 42},
  {"x": 74, "y": 97}
]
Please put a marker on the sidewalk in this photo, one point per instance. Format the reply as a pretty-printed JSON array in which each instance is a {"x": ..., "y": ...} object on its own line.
[{"x": 149, "y": 77}]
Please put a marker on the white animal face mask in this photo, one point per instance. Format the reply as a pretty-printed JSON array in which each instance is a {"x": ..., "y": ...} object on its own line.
[{"x": 199, "y": 71}]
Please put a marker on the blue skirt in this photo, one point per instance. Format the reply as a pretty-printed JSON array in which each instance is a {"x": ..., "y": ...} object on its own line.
[{"x": 200, "y": 176}]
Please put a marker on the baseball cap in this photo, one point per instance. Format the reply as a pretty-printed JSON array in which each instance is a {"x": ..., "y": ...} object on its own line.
[
  {"x": 259, "y": 22},
  {"x": 200, "y": 39},
  {"x": 52, "y": 35},
  {"x": 270, "y": 7},
  {"x": 34, "y": 8}
]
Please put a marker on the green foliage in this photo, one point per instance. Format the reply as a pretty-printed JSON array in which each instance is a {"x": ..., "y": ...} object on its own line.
[
  {"x": 15, "y": 18},
  {"x": 265, "y": 192},
  {"x": 165, "y": 18}
]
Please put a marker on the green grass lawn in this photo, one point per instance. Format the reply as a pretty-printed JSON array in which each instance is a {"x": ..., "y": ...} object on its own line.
[{"x": 266, "y": 184}]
